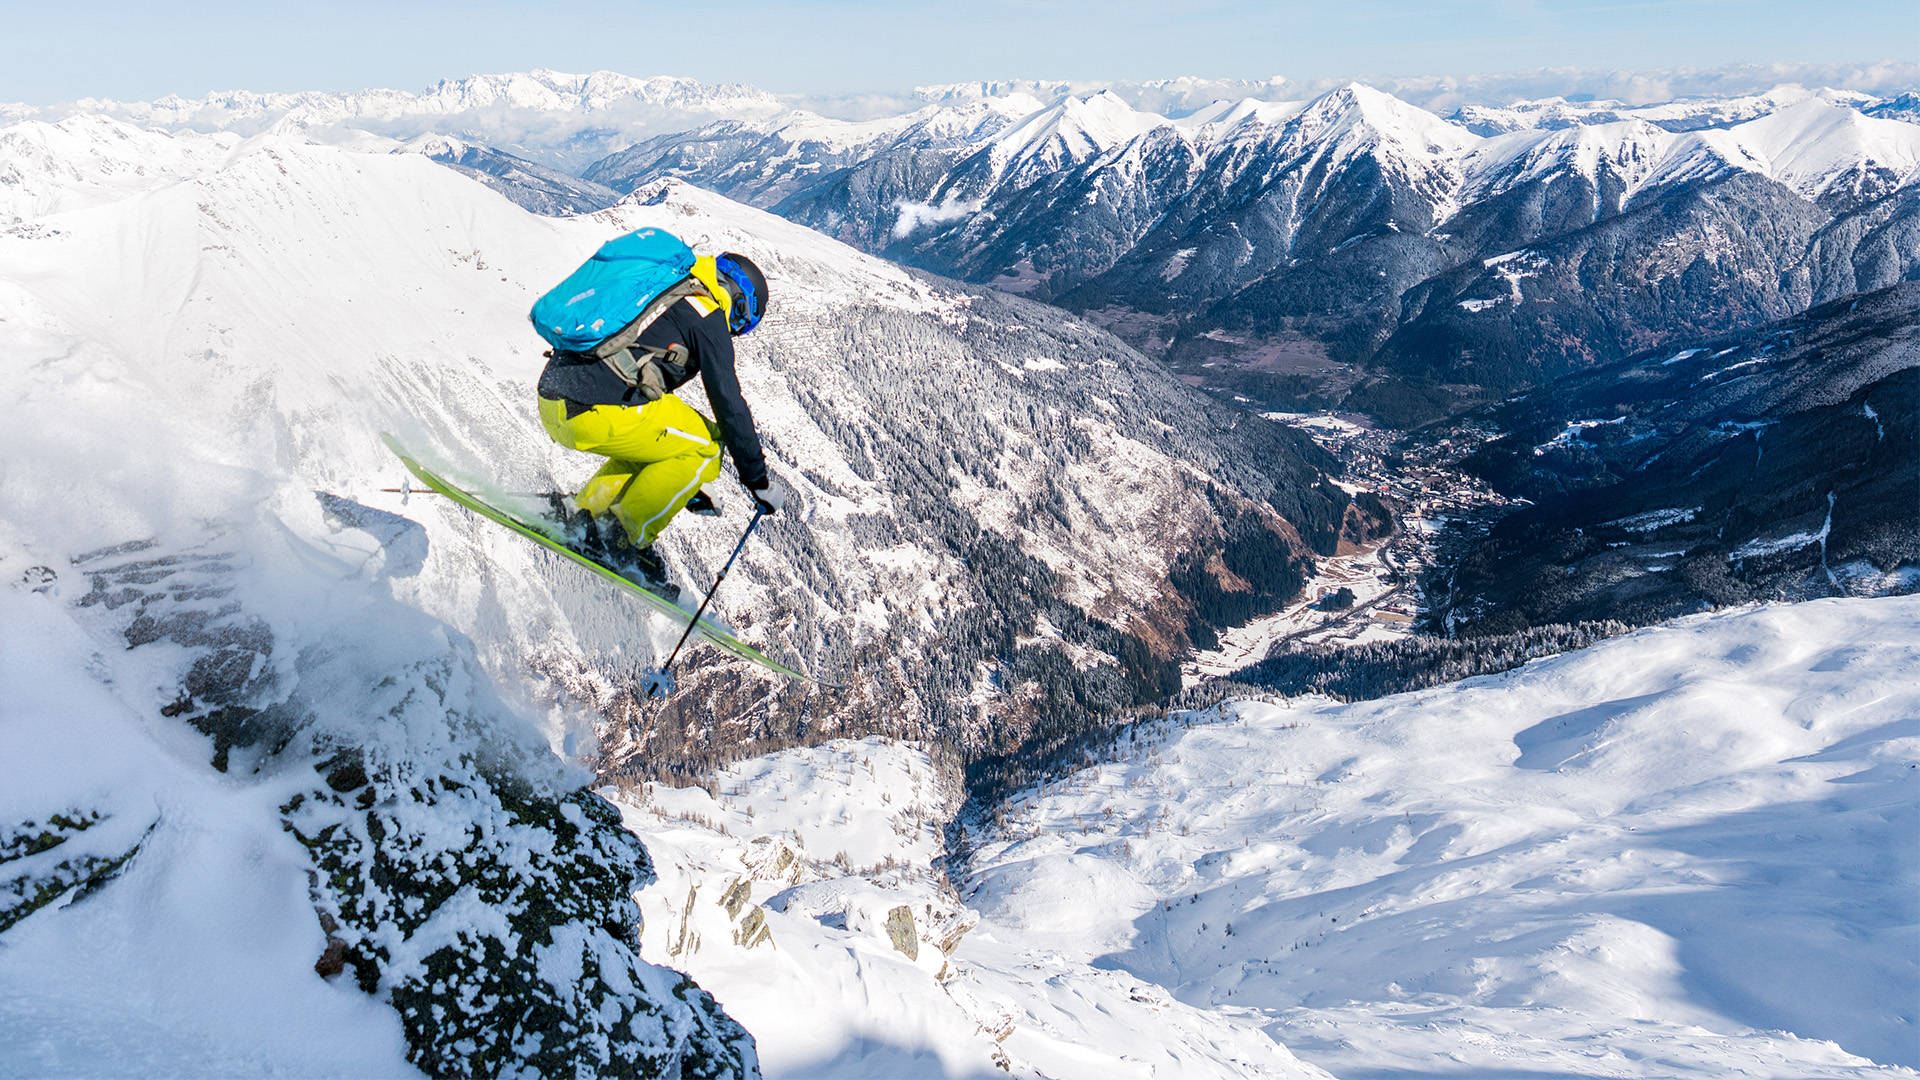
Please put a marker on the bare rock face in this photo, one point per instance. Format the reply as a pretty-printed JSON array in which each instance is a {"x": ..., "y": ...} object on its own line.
[{"x": 900, "y": 931}]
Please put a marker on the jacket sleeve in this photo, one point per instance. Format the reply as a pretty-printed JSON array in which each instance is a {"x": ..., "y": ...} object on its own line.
[{"x": 729, "y": 405}]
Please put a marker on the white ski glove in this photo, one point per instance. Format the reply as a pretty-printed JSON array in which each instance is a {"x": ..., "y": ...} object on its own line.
[{"x": 772, "y": 498}]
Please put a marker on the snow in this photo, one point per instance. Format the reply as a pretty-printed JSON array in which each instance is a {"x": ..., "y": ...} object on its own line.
[
  {"x": 1222, "y": 117},
  {"x": 1367, "y": 573},
  {"x": 1074, "y": 130},
  {"x": 1685, "y": 852},
  {"x": 1633, "y": 861},
  {"x": 1775, "y": 545},
  {"x": 1809, "y": 143},
  {"x": 1572, "y": 435},
  {"x": 199, "y": 959},
  {"x": 1627, "y": 150},
  {"x": 1694, "y": 111},
  {"x": 828, "y": 992},
  {"x": 1813, "y": 147},
  {"x": 89, "y": 160},
  {"x": 1343, "y": 125},
  {"x": 1653, "y": 520}
]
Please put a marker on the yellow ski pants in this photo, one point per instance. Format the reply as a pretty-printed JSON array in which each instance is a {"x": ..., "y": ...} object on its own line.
[{"x": 658, "y": 456}]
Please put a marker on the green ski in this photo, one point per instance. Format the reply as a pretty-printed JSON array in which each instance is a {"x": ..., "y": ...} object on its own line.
[{"x": 549, "y": 536}]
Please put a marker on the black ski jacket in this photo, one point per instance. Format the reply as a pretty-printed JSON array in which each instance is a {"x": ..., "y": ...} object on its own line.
[{"x": 583, "y": 382}]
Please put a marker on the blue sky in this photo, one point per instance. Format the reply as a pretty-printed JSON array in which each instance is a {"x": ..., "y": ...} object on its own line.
[{"x": 140, "y": 51}]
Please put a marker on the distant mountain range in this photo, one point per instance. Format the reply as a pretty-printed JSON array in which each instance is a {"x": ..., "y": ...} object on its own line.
[
  {"x": 1348, "y": 248},
  {"x": 560, "y": 119},
  {"x": 1354, "y": 248}
]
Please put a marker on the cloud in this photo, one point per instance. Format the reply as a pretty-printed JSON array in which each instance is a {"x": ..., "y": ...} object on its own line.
[{"x": 1441, "y": 94}]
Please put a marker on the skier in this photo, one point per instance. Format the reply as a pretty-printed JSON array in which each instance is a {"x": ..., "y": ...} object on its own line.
[{"x": 661, "y": 452}]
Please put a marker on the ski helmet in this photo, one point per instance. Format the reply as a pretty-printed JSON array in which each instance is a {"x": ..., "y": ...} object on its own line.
[{"x": 748, "y": 289}]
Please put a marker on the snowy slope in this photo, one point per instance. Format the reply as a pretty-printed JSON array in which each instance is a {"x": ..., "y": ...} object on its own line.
[
  {"x": 89, "y": 160},
  {"x": 278, "y": 313},
  {"x": 1813, "y": 147},
  {"x": 1620, "y": 155},
  {"x": 1065, "y": 135},
  {"x": 1686, "y": 852},
  {"x": 175, "y": 904},
  {"x": 802, "y": 892},
  {"x": 192, "y": 468},
  {"x": 198, "y": 959},
  {"x": 189, "y": 367}
]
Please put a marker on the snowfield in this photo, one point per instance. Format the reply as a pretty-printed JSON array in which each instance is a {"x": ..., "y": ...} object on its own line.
[{"x": 1684, "y": 852}]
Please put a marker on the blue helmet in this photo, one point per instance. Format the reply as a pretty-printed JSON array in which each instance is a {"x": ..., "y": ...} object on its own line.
[{"x": 748, "y": 289}]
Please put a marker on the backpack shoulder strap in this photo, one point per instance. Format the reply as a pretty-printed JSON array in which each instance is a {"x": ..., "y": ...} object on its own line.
[{"x": 628, "y": 334}]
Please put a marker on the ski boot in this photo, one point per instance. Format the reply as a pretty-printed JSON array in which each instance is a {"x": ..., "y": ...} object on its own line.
[
  {"x": 703, "y": 504},
  {"x": 603, "y": 540},
  {"x": 645, "y": 567},
  {"x": 606, "y": 543}
]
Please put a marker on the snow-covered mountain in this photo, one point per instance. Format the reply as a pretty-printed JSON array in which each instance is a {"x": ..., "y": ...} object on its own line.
[
  {"x": 50, "y": 168},
  {"x": 555, "y": 118},
  {"x": 861, "y": 353},
  {"x": 1346, "y": 248},
  {"x": 1002, "y": 520},
  {"x": 287, "y": 761},
  {"x": 1300, "y": 250},
  {"x": 763, "y": 162},
  {"x": 1684, "y": 114}
]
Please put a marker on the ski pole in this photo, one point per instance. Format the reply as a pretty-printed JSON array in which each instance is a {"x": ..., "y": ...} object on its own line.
[{"x": 660, "y": 682}]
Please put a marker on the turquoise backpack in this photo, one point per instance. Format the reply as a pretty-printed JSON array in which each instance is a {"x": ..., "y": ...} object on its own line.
[{"x": 601, "y": 308}]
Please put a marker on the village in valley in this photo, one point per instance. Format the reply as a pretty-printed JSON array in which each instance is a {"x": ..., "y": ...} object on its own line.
[{"x": 1381, "y": 590}]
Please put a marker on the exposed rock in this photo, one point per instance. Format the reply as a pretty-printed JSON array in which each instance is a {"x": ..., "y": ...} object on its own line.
[
  {"x": 39, "y": 864},
  {"x": 900, "y": 931},
  {"x": 459, "y": 871}
]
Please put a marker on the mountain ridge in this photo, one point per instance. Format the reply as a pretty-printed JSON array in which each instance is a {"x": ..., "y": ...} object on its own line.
[{"x": 1332, "y": 225}]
